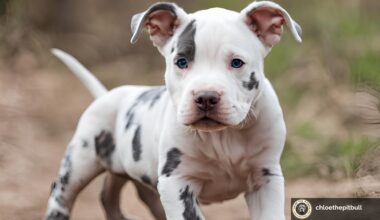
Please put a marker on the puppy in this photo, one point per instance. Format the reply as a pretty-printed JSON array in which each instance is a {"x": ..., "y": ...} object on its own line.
[{"x": 214, "y": 131}]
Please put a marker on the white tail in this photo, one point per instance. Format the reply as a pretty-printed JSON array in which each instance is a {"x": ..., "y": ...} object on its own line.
[{"x": 96, "y": 88}]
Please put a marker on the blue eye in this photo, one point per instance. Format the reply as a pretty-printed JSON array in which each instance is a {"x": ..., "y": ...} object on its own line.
[
  {"x": 182, "y": 63},
  {"x": 237, "y": 63}
]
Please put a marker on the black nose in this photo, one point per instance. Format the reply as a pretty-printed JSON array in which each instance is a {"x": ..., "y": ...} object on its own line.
[{"x": 206, "y": 100}]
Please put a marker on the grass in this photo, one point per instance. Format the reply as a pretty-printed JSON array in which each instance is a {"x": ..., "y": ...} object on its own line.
[
  {"x": 365, "y": 69},
  {"x": 293, "y": 163},
  {"x": 335, "y": 160},
  {"x": 279, "y": 59},
  {"x": 349, "y": 34},
  {"x": 307, "y": 131},
  {"x": 349, "y": 153},
  {"x": 232, "y": 5}
]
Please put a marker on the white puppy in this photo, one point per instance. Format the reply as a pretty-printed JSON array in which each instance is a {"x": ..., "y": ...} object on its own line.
[{"x": 214, "y": 131}]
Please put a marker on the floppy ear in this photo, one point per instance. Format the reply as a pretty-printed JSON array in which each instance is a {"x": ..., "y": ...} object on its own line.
[
  {"x": 161, "y": 19},
  {"x": 266, "y": 20}
]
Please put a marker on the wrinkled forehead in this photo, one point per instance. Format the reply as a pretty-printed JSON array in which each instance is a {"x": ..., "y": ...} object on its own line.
[{"x": 220, "y": 30}]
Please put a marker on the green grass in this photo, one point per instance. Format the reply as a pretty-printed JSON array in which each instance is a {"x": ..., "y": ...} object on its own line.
[
  {"x": 293, "y": 163},
  {"x": 307, "y": 131},
  {"x": 279, "y": 59},
  {"x": 365, "y": 69},
  {"x": 290, "y": 97},
  {"x": 231, "y": 5},
  {"x": 342, "y": 157},
  {"x": 348, "y": 153}
]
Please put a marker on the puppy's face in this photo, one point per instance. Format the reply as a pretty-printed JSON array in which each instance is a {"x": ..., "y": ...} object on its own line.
[
  {"x": 214, "y": 58},
  {"x": 214, "y": 70}
]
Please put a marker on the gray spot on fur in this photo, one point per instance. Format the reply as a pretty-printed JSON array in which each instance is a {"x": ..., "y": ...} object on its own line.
[
  {"x": 65, "y": 178},
  {"x": 136, "y": 144},
  {"x": 130, "y": 117},
  {"x": 66, "y": 167},
  {"x": 84, "y": 144},
  {"x": 190, "y": 212},
  {"x": 150, "y": 96},
  {"x": 57, "y": 215},
  {"x": 59, "y": 200},
  {"x": 104, "y": 146},
  {"x": 267, "y": 172},
  {"x": 186, "y": 42},
  {"x": 252, "y": 83},
  {"x": 173, "y": 159},
  {"x": 53, "y": 187}
]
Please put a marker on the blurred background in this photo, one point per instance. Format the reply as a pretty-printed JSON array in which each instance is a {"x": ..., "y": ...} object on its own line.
[{"x": 328, "y": 87}]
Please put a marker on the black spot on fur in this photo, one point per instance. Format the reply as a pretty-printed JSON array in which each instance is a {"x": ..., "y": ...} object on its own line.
[
  {"x": 53, "y": 187},
  {"x": 65, "y": 178},
  {"x": 84, "y": 144},
  {"x": 104, "y": 145},
  {"x": 173, "y": 159},
  {"x": 57, "y": 215},
  {"x": 190, "y": 212},
  {"x": 146, "y": 179},
  {"x": 266, "y": 172},
  {"x": 59, "y": 200},
  {"x": 136, "y": 144},
  {"x": 150, "y": 96},
  {"x": 252, "y": 83},
  {"x": 186, "y": 43},
  {"x": 130, "y": 117},
  {"x": 66, "y": 168}
]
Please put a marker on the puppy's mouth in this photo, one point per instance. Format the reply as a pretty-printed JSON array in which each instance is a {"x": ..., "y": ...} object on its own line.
[{"x": 208, "y": 124}]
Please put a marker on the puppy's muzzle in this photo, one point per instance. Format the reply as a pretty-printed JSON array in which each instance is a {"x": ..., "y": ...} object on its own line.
[
  {"x": 207, "y": 104},
  {"x": 206, "y": 101}
]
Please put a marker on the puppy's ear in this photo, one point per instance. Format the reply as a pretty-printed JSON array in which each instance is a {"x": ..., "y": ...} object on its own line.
[
  {"x": 266, "y": 20},
  {"x": 161, "y": 20}
]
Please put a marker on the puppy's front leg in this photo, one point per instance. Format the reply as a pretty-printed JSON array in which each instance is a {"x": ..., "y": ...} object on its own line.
[
  {"x": 267, "y": 203},
  {"x": 177, "y": 194},
  {"x": 178, "y": 198}
]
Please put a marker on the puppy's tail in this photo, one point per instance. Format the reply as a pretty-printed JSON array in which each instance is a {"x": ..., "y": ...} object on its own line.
[{"x": 96, "y": 88}]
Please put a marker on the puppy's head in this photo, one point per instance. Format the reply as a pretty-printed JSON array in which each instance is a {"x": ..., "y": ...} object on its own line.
[{"x": 214, "y": 58}]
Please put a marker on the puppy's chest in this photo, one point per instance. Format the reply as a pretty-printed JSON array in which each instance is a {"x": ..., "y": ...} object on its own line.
[{"x": 224, "y": 172}]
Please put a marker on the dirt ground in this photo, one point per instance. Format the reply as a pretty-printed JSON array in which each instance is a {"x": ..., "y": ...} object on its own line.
[{"x": 38, "y": 112}]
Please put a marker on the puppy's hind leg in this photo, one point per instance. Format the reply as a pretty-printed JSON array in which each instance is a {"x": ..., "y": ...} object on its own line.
[
  {"x": 110, "y": 196},
  {"x": 78, "y": 168},
  {"x": 152, "y": 199}
]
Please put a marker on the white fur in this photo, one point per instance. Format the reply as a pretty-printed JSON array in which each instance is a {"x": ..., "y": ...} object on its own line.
[{"x": 92, "y": 83}]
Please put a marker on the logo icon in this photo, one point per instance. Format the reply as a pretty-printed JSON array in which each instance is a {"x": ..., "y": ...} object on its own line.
[{"x": 301, "y": 209}]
